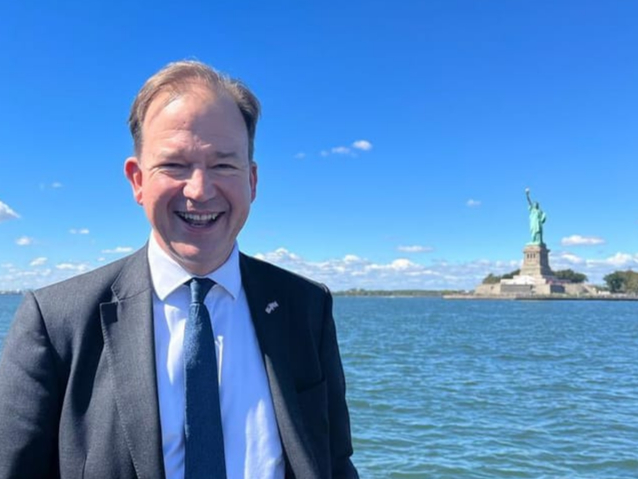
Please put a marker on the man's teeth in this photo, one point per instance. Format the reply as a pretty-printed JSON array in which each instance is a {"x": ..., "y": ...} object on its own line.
[{"x": 199, "y": 218}]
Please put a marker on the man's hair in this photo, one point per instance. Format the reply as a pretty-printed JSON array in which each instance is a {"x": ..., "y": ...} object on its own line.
[{"x": 177, "y": 78}]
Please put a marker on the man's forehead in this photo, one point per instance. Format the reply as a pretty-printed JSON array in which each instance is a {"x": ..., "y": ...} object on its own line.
[
  {"x": 192, "y": 88},
  {"x": 208, "y": 152}
]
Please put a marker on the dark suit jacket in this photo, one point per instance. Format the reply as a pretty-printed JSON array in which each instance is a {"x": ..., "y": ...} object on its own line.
[{"x": 78, "y": 391}]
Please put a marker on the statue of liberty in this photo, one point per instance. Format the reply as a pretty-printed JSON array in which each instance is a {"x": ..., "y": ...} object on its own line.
[{"x": 536, "y": 219}]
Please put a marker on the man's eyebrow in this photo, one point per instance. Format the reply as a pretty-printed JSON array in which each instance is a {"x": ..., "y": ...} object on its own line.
[
  {"x": 215, "y": 155},
  {"x": 222, "y": 155}
]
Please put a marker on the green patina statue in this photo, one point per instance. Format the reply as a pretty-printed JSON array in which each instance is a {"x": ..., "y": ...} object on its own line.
[{"x": 536, "y": 219}]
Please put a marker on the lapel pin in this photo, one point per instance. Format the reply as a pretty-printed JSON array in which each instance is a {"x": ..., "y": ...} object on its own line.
[{"x": 271, "y": 307}]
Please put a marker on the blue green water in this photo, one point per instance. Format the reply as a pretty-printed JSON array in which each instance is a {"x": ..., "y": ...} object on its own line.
[{"x": 482, "y": 389}]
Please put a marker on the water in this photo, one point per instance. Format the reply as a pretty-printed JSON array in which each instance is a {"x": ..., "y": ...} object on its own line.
[{"x": 487, "y": 389}]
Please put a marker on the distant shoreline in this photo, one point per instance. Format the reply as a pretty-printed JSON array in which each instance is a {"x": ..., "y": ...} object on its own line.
[
  {"x": 403, "y": 293},
  {"x": 544, "y": 297}
]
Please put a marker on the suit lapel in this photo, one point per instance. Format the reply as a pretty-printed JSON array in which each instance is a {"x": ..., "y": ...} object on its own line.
[
  {"x": 270, "y": 315},
  {"x": 127, "y": 326}
]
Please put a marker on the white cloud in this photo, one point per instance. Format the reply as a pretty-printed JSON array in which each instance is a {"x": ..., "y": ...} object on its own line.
[
  {"x": 7, "y": 213},
  {"x": 473, "y": 203},
  {"x": 56, "y": 184},
  {"x": 619, "y": 260},
  {"x": 300, "y": 156},
  {"x": 570, "y": 258},
  {"x": 36, "y": 276},
  {"x": 76, "y": 267},
  {"x": 595, "y": 269},
  {"x": 352, "y": 271},
  {"x": 24, "y": 241},
  {"x": 415, "y": 249},
  {"x": 82, "y": 231},
  {"x": 576, "y": 240},
  {"x": 118, "y": 250},
  {"x": 364, "y": 145},
  {"x": 361, "y": 145},
  {"x": 340, "y": 150}
]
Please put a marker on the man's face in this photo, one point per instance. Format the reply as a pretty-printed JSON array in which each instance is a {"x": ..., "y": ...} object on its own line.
[{"x": 193, "y": 176}]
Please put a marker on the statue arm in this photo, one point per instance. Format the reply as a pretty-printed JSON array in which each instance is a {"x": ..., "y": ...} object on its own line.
[{"x": 529, "y": 200}]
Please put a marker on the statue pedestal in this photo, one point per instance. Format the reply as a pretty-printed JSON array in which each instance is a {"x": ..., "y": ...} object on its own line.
[
  {"x": 536, "y": 261},
  {"x": 535, "y": 277}
]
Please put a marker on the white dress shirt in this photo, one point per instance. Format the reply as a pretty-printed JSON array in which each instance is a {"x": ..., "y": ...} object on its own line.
[{"x": 251, "y": 438}]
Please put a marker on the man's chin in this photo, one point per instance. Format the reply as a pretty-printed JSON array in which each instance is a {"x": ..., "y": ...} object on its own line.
[{"x": 197, "y": 261}]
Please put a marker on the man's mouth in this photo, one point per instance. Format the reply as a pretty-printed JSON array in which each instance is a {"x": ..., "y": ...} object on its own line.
[{"x": 198, "y": 220}]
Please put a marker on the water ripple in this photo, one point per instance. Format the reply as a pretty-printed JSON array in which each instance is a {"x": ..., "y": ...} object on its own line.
[{"x": 491, "y": 389}]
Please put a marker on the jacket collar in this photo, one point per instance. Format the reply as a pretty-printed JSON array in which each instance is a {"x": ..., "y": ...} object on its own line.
[{"x": 127, "y": 327}]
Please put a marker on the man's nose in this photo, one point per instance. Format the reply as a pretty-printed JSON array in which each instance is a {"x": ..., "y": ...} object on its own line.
[{"x": 199, "y": 187}]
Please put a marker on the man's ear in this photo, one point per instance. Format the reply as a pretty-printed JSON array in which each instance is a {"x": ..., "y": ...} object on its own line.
[
  {"x": 253, "y": 181},
  {"x": 133, "y": 173}
]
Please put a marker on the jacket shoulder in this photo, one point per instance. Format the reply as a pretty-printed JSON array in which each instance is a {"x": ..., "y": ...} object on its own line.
[{"x": 81, "y": 295}]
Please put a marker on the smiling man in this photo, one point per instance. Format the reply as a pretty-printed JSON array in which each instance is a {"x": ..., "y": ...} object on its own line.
[{"x": 187, "y": 359}]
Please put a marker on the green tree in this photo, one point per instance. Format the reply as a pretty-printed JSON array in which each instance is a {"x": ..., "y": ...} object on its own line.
[
  {"x": 493, "y": 279},
  {"x": 631, "y": 282},
  {"x": 511, "y": 274},
  {"x": 615, "y": 282},
  {"x": 622, "y": 282},
  {"x": 570, "y": 275}
]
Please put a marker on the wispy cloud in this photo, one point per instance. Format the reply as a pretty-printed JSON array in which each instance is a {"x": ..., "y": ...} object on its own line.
[
  {"x": 75, "y": 267},
  {"x": 55, "y": 185},
  {"x": 415, "y": 249},
  {"x": 38, "y": 261},
  {"x": 82, "y": 231},
  {"x": 6, "y": 213},
  {"x": 118, "y": 250},
  {"x": 24, "y": 241},
  {"x": 300, "y": 156},
  {"x": 363, "y": 145},
  {"x": 359, "y": 146},
  {"x": 473, "y": 203},
  {"x": 577, "y": 240},
  {"x": 340, "y": 150}
]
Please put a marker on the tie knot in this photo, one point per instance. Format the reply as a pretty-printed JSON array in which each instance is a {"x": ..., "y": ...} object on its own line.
[{"x": 200, "y": 288}]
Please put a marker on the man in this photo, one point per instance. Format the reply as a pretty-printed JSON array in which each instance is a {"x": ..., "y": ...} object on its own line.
[{"x": 94, "y": 377}]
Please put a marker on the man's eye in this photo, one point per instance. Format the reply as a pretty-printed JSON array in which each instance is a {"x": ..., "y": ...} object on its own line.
[
  {"x": 224, "y": 166},
  {"x": 172, "y": 167}
]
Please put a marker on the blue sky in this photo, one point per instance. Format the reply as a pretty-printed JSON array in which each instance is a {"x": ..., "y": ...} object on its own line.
[{"x": 396, "y": 141}]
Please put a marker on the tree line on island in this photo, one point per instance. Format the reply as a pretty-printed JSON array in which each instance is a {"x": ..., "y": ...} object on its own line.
[
  {"x": 563, "y": 274},
  {"x": 616, "y": 282}
]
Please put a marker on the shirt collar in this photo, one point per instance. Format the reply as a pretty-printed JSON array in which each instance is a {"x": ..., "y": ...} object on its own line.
[{"x": 167, "y": 275}]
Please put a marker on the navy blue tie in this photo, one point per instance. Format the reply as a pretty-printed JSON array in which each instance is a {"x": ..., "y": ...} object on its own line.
[{"x": 204, "y": 438}]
